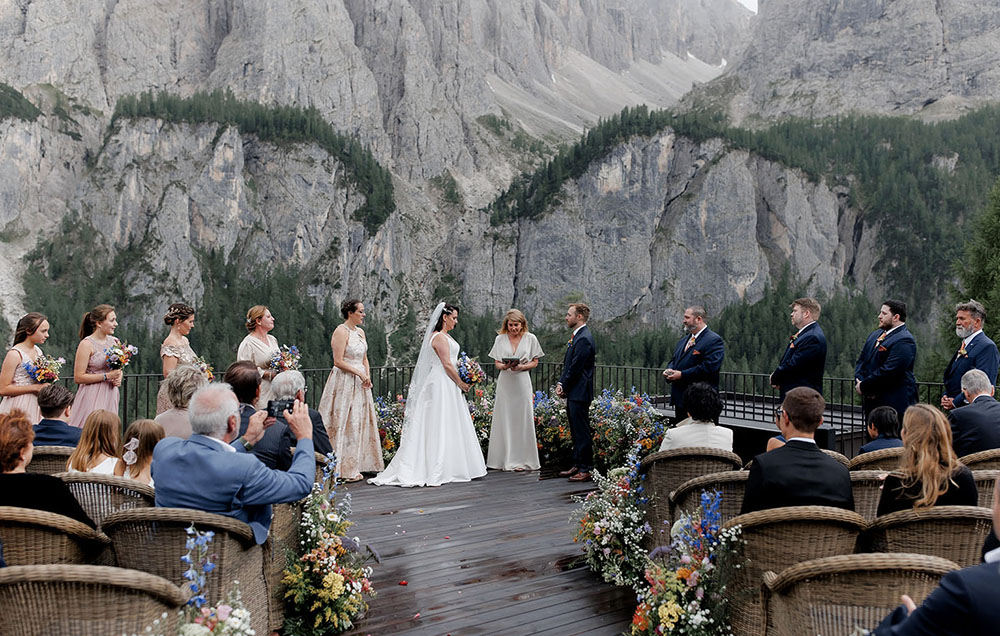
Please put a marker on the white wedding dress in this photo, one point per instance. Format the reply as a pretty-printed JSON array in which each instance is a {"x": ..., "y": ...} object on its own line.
[{"x": 438, "y": 443}]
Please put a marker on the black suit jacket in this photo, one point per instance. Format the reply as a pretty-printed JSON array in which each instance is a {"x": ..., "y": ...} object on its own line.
[
  {"x": 700, "y": 363},
  {"x": 975, "y": 427},
  {"x": 56, "y": 433},
  {"x": 577, "y": 377},
  {"x": 981, "y": 354},
  {"x": 274, "y": 448},
  {"x": 886, "y": 371},
  {"x": 803, "y": 361},
  {"x": 797, "y": 474}
]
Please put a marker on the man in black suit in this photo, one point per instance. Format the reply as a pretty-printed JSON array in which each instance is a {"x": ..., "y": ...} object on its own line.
[
  {"x": 275, "y": 448},
  {"x": 798, "y": 473},
  {"x": 697, "y": 358},
  {"x": 244, "y": 378},
  {"x": 55, "y": 402},
  {"x": 966, "y": 603},
  {"x": 976, "y": 351},
  {"x": 976, "y": 426},
  {"x": 804, "y": 358},
  {"x": 883, "y": 374},
  {"x": 576, "y": 384}
]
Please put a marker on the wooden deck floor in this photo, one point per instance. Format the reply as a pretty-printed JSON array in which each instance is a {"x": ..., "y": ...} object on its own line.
[{"x": 494, "y": 556}]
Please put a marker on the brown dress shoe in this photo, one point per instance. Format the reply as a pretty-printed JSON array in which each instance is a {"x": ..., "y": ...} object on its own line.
[
  {"x": 580, "y": 477},
  {"x": 569, "y": 473}
]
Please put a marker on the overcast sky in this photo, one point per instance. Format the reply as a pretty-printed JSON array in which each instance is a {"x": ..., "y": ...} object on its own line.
[{"x": 751, "y": 4}]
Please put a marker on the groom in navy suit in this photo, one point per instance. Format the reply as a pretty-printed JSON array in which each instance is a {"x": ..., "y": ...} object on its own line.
[
  {"x": 883, "y": 374},
  {"x": 805, "y": 356},
  {"x": 576, "y": 384},
  {"x": 976, "y": 351},
  {"x": 697, "y": 358}
]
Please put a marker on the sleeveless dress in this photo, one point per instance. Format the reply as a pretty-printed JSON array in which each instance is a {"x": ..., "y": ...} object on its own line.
[
  {"x": 255, "y": 351},
  {"x": 184, "y": 355},
  {"x": 512, "y": 435},
  {"x": 439, "y": 443},
  {"x": 106, "y": 467},
  {"x": 26, "y": 402},
  {"x": 348, "y": 412},
  {"x": 98, "y": 395}
]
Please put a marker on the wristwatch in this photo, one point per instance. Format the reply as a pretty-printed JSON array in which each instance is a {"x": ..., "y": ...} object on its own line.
[{"x": 247, "y": 445}]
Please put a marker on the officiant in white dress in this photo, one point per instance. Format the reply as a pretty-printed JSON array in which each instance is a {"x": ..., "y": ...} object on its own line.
[
  {"x": 512, "y": 437},
  {"x": 438, "y": 443}
]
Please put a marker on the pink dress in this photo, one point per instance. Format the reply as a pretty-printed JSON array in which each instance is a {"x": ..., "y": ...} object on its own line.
[
  {"x": 99, "y": 395},
  {"x": 26, "y": 402}
]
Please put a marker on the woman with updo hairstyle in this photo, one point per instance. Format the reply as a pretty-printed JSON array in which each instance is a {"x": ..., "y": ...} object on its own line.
[
  {"x": 18, "y": 388},
  {"x": 180, "y": 385},
  {"x": 259, "y": 347},
  {"x": 175, "y": 349},
  {"x": 97, "y": 382},
  {"x": 347, "y": 406}
]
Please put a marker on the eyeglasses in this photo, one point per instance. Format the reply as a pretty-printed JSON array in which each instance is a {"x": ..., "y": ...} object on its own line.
[{"x": 777, "y": 412}]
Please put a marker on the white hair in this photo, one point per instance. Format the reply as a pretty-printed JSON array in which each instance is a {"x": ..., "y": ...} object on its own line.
[
  {"x": 286, "y": 384},
  {"x": 976, "y": 382},
  {"x": 210, "y": 409}
]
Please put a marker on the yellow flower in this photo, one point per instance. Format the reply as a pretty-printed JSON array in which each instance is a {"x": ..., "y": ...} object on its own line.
[
  {"x": 669, "y": 614},
  {"x": 334, "y": 583}
]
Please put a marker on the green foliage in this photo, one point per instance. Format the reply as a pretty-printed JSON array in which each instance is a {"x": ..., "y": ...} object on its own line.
[
  {"x": 448, "y": 187},
  {"x": 14, "y": 104},
  {"x": 979, "y": 273},
  {"x": 275, "y": 124}
]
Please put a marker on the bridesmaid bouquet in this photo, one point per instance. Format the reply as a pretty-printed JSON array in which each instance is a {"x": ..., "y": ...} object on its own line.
[
  {"x": 286, "y": 359},
  {"x": 469, "y": 370},
  {"x": 205, "y": 368},
  {"x": 119, "y": 355},
  {"x": 45, "y": 368}
]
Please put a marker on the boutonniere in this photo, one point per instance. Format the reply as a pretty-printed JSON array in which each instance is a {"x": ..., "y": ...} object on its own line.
[
  {"x": 882, "y": 349},
  {"x": 569, "y": 343},
  {"x": 696, "y": 353},
  {"x": 791, "y": 345},
  {"x": 793, "y": 338}
]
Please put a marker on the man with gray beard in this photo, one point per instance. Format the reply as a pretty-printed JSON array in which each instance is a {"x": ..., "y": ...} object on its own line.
[{"x": 976, "y": 351}]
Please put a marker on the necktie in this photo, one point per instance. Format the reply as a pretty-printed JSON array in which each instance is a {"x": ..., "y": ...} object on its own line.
[{"x": 689, "y": 344}]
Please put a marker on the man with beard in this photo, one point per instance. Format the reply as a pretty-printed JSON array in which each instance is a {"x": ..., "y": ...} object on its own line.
[
  {"x": 697, "y": 358},
  {"x": 976, "y": 351},
  {"x": 883, "y": 374}
]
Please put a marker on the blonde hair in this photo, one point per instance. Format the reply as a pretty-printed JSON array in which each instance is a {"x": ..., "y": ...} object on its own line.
[
  {"x": 149, "y": 433},
  {"x": 254, "y": 314},
  {"x": 928, "y": 459},
  {"x": 514, "y": 315},
  {"x": 101, "y": 435}
]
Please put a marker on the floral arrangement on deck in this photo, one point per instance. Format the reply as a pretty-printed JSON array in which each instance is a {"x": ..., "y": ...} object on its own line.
[
  {"x": 390, "y": 424},
  {"x": 481, "y": 400},
  {"x": 469, "y": 370},
  {"x": 119, "y": 355},
  {"x": 285, "y": 359},
  {"x": 45, "y": 368},
  {"x": 328, "y": 582}
]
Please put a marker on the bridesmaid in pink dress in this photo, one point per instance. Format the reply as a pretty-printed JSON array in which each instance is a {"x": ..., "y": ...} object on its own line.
[
  {"x": 20, "y": 390},
  {"x": 97, "y": 382}
]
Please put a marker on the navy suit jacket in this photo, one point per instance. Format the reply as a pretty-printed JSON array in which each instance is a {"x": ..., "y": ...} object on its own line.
[
  {"x": 700, "y": 363},
  {"x": 981, "y": 354},
  {"x": 199, "y": 474},
  {"x": 886, "y": 371},
  {"x": 966, "y": 603},
  {"x": 975, "y": 427},
  {"x": 56, "y": 433},
  {"x": 797, "y": 474},
  {"x": 803, "y": 362},
  {"x": 577, "y": 377},
  {"x": 274, "y": 448}
]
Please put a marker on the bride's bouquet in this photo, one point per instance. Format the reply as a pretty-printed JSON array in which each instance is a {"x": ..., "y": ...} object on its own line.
[
  {"x": 205, "y": 368},
  {"x": 469, "y": 370},
  {"x": 119, "y": 355},
  {"x": 45, "y": 368},
  {"x": 285, "y": 359}
]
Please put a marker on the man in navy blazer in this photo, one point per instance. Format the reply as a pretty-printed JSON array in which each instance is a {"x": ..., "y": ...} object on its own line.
[
  {"x": 804, "y": 358},
  {"x": 976, "y": 351},
  {"x": 976, "y": 426},
  {"x": 576, "y": 384},
  {"x": 206, "y": 472},
  {"x": 697, "y": 358},
  {"x": 966, "y": 603},
  {"x": 883, "y": 374},
  {"x": 55, "y": 402}
]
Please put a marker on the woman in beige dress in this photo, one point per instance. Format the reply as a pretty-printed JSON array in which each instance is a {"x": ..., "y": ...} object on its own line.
[
  {"x": 512, "y": 438},
  {"x": 347, "y": 406},
  {"x": 175, "y": 349},
  {"x": 259, "y": 347},
  {"x": 20, "y": 390}
]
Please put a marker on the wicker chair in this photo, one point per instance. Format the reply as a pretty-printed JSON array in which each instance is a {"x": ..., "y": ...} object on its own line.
[
  {"x": 732, "y": 484},
  {"x": 867, "y": 487},
  {"x": 282, "y": 539},
  {"x": 664, "y": 471},
  {"x": 986, "y": 481},
  {"x": 153, "y": 539},
  {"x": 38, "y": 537},
  {"x": 49, "y": 460},
  {"x": 103, "y": 495},
  {"x": 69, "y": 600},
  {"x": 834, "y": 596},
  {"x": 885, "y": 460},
  {"x": 983, "y": 460},
  {"x": 779, "y": 538},
  {"x": 955, "y": 533},
  {"x": 840, "y": 458}
]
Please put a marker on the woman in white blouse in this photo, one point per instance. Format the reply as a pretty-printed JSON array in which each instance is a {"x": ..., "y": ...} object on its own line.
[
  {"x": 703, "y": 406},
  {"x": 259, "y": 347}
]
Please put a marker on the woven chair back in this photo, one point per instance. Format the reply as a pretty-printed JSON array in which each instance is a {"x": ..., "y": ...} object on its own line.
[
  {"x": 886, "y": 459},
  {"x": 103, "y": 495},
  {"x": 49, "y": 460},
  {"x": 986, "y": 481},
  {"x": 867, "y": 488},
  {"x": 840, "y": 458},
  {"x": 730, "y": 484},
  {"x": 983, "y": 460},
  {"x": 37, "y": 537},
  {"x": 955, "y": 533},
  {"x": 281, "y": 543}
]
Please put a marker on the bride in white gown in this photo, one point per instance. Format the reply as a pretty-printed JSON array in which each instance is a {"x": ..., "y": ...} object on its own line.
[{"x": 438, "y": 443}]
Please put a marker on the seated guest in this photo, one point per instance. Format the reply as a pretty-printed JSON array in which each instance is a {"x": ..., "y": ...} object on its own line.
[
  {"x": 703, "y": 406},
  {"x": 883, "y": 428},
  {"x": 929, "y": 472},
  {"x": 98, "y": 450},
  {"x": 244, "y": 378},
  {"x": 274, "y": 448},
  {"x": 966, "y": 603},
  {"x": 141, "y": 437},
  {"x": 28, "y": 490},
  {"x": 976, "y": 426},
  {"x": 55, "y": 402},
  {"x": 798, "y": 473},
  {"x": 208, "y": 472},
  {"x": 181, "y": 384}
]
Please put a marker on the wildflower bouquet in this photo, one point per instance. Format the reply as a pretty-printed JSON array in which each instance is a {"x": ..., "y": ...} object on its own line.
[
  {"x": 205, "y": 368},
  {"x": 481, "y": 401},
  {"x": 120, "y": 354},
  {"x": 328, "y": 582},
  {"x": 687, "y": 580},
  {"x": 390, "y": 424},
  {"x": 469, "y": 370},
  {"x": 45, "y": 368},
  {"x": 285, "y": 359},
  {"x": 618, "y": 421},
  {"x": 228, "y": 617},
  {"x": 555, "y": 444}
]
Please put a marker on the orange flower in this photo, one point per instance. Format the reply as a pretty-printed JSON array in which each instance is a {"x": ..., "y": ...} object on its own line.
[{"x": 683, "y": 573}]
